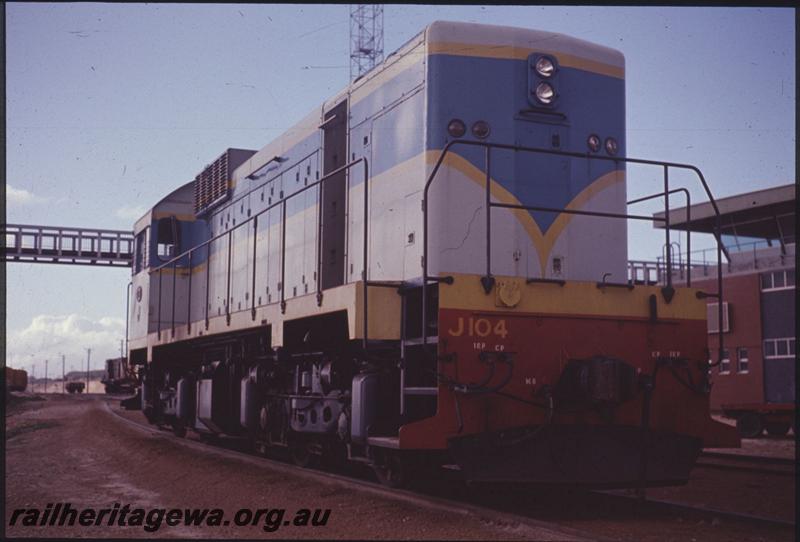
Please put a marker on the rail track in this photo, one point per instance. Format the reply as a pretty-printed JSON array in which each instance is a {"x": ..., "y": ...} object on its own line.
[
  {"x": 233, "y": 449},
  {"x": 696, "y": 512},
  {"x": 778, "y": 466},
  {"x": 516, "y": 506}
]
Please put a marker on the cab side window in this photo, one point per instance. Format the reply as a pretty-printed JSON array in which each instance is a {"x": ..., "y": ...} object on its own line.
[
  {"x": 167, "y": 238},
  {"x": 140, "y": 257}
]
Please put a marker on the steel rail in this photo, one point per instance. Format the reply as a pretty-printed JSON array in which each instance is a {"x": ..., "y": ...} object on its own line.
[
  {"x": 673, "y": 506},
  {"x": 746, "y": 458},
  {"x": 747, "y": 463},
  {"x": 445, "y": 504},
  {"x": 557, "y": 532},
  {"x": 714, "y": 464}
]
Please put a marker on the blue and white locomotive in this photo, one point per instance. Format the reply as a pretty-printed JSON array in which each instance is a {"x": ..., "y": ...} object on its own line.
[{"x": 415, "y": 273}]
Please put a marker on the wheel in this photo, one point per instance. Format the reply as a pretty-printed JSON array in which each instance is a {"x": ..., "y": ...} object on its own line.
[
  {"x": 301, "y": 455},
  {"x": 778, "y": 429},
  {"x": 393, "y": 471},
  {"x": 149, "y": 415},
  {"x": 179, "y": 429},
  {"x": 261, "y": 448},
  {"x": 334, "y": 457},
  {"x": 750, "y": 425}
]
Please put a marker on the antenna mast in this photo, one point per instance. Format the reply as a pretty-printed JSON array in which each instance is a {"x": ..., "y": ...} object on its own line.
[{"x": 366, "y": 38}]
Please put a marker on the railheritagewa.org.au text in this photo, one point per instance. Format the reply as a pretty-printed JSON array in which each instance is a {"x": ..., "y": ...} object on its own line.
[{"x": 153, "y": 519}]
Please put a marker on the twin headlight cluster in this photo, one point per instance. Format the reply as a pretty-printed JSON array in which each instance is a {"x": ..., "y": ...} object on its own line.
[{"x": 543, "y": 80}]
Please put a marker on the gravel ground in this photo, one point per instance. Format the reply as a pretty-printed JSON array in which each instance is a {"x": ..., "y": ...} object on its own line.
[
  {"x": 758, "y": 494},
  {"x": 71, "y": 449},
  {"x": 765, "y": 445}
]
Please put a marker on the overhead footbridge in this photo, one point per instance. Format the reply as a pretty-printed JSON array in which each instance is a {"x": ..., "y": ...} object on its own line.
[{"x": 65, "y": 245}]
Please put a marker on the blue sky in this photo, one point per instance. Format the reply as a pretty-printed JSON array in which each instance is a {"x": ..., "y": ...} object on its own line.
[{"x": 111, "y": 106}]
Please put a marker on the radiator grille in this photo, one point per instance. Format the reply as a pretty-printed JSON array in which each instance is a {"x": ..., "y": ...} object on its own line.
[{"x": 213, "y": 185}]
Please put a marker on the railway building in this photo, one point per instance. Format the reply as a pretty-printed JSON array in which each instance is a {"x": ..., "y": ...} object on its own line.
[{"x": 755, "y": 380}]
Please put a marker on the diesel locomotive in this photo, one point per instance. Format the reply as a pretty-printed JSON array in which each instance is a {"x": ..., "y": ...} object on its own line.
[{"x": 430, "y": 270}]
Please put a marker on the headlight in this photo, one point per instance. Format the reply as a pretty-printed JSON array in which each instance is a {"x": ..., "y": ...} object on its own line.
[
  {"x": 545, "y": 93},
  {"x": 456, "y": 128},
  {"x": 545, "y": 67},
  {"x": 611, "y": 146},
  {"x": 481, "y": 129},
  {"x": 593, "y": 142}
]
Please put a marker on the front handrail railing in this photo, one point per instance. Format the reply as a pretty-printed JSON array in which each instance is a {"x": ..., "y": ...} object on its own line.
[
  {"x": 188, "y": 254},
  {"x": 488, "y": 280},
  {"x": 688, "y": 221}
]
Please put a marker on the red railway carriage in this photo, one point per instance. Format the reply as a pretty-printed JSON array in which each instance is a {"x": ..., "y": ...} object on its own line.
[
  {"x": 16, "y": 379},
  {"x": 754, "y": 382}
]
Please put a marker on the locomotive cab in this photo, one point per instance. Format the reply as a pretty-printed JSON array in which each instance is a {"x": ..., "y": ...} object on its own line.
[{"x": 163, "y": 233}]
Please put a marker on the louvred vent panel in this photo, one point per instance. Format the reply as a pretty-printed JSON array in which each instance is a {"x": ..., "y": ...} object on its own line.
[{"x": 213, "y": 185}]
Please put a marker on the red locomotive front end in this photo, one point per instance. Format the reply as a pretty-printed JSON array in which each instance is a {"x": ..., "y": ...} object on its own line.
[{"x": 570, "y": 382}]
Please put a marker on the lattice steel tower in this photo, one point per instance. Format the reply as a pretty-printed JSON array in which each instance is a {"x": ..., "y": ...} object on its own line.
[{"x": 366, "y": 38}]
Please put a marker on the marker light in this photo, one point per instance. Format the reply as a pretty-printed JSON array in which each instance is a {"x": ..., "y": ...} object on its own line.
[
  {"x": 593, "y": 142},
  {"x": 456, "y": 128},
  {"x": 545, "y": 93},
  {"x": 545, "y": 67},
  {"x": 481, "y": 129},
  {"x": 611, "y": 146}
]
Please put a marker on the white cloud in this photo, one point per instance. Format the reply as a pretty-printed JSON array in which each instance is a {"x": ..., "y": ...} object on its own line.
[
  {"x": 19, "y": 197},
  {"x": 49, "y": 336},
  {"x": 130, "y": 212}
]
